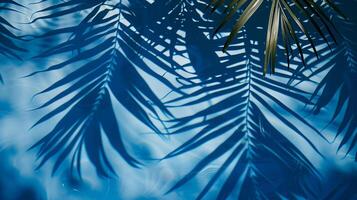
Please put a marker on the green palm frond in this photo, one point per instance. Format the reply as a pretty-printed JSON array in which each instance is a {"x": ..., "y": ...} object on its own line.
[
  {"x": 286, "y": 17},
  {"x": 236, "y": 112}
]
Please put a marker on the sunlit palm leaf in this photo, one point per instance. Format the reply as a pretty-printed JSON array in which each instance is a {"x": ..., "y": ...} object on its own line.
[
  {"x": 242, "y": 114},
  {"x": 302, "y": 14}
]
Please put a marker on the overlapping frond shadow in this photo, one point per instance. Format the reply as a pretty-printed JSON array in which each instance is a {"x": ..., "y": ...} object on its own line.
[
  {"x": 258, "y": 159},
  {"x": 108, "y": 50},
  {"x": 285, "y": 16},
  {"x": 8, "y": 40},
  {"x": 340, "y": 81},
  {"x": 253, "y": 113}
]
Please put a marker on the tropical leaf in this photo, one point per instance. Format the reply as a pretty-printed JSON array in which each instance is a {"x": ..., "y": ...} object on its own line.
[
  {"x": 252, "y": 118},
  {"x": 107, "y": 53},
  {"x": 285, "y": 16},
  {"x": 340, "y": 80},
  {"x": 240, "y": 110}
]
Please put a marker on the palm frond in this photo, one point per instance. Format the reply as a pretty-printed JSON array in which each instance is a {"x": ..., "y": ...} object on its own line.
[
  {"x": 341, "y": 81},
  {"x": 240, "y": 109},
  {"x": 107, "y": 54},
  {"x": 286, "y": 17}
]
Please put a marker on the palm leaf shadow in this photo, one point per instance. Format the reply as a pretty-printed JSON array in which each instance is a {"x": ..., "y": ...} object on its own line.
[
  {"x": 341, "y": 80},
  {"x": 246, "y": 108},
  {"x": 285, "y": 17},
  {"x": 112, "y": 51},
  {"x": 9, "y": 46}
]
